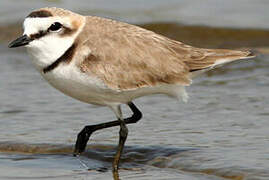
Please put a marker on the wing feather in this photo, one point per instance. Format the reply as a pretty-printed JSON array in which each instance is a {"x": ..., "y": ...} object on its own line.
[{"x": 127, "y": 57}]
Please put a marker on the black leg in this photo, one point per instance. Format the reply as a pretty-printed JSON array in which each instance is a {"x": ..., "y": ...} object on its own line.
[
  {"x": 86, "y": 132},
  {"x": 122, "y": 138}
]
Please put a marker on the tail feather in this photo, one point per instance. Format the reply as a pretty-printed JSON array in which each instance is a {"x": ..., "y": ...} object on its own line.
[{"x": 216, "y": 57}]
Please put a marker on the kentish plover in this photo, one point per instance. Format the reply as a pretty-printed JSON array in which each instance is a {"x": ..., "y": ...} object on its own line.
[{"x": 109, "y": 63}]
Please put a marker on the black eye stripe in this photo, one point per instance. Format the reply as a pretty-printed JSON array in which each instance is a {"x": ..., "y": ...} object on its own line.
[
  {"x": 38, "y": 35},
  {"x": 55, "y": 26},
  {"x": 43, "y": 33},
  {"x": 65, "y": 32}
]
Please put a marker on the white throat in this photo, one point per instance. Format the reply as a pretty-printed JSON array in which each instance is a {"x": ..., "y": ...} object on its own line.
[
  {"x": 44, "y": 54},
  {"x": 46, "y": 50}
]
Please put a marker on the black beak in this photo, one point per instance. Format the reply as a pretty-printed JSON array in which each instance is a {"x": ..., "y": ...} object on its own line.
[{"x": 21, "y": 41}]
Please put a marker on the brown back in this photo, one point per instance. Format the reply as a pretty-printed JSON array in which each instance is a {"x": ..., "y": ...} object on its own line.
[{"x": 125, "y": 56}]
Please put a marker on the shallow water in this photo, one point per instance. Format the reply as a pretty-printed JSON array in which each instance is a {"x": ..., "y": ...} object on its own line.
[{"x": 221, "y": 133}]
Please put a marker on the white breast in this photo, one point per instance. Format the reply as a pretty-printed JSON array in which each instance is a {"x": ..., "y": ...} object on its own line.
[{"x": 69, "y": 80}]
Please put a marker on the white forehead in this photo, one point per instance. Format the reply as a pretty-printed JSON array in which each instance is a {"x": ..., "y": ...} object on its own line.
[{"x": 34, "y": 25}]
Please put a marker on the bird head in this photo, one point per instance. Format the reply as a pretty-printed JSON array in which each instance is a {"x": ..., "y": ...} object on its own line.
[{"x": 48, "y": 33}]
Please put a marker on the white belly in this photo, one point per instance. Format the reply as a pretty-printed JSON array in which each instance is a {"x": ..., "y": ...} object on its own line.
[{"x": 69, "y": 80}]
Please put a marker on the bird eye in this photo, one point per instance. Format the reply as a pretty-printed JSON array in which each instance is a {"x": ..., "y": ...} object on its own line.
[{"x": 55, "y": 26}]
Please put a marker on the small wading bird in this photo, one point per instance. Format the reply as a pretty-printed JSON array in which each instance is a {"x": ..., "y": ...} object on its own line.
[{"x": 109, "y": 63}]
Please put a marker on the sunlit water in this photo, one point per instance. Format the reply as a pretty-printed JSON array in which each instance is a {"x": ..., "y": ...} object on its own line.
[{"x": 221, "y": 133}]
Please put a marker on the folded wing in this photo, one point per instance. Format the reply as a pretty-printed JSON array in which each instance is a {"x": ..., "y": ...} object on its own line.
[{"x": 128, "y": 57}]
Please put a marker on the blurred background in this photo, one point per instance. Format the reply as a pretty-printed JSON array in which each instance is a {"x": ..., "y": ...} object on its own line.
[{"x": 221, "y": 133}]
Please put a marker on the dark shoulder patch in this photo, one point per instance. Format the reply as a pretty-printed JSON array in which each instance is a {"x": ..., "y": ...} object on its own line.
[
  {"x": 66, "y": 57},
  {"x": 40, "y": 14}
]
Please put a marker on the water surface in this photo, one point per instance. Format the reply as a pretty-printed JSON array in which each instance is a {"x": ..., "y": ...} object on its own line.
[
  {"x": 223, "y": 13},
  {"x": 221, "y": 133}
]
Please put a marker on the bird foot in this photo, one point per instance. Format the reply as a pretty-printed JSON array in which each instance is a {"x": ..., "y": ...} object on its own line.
[{"x": 81, "y": 143}]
